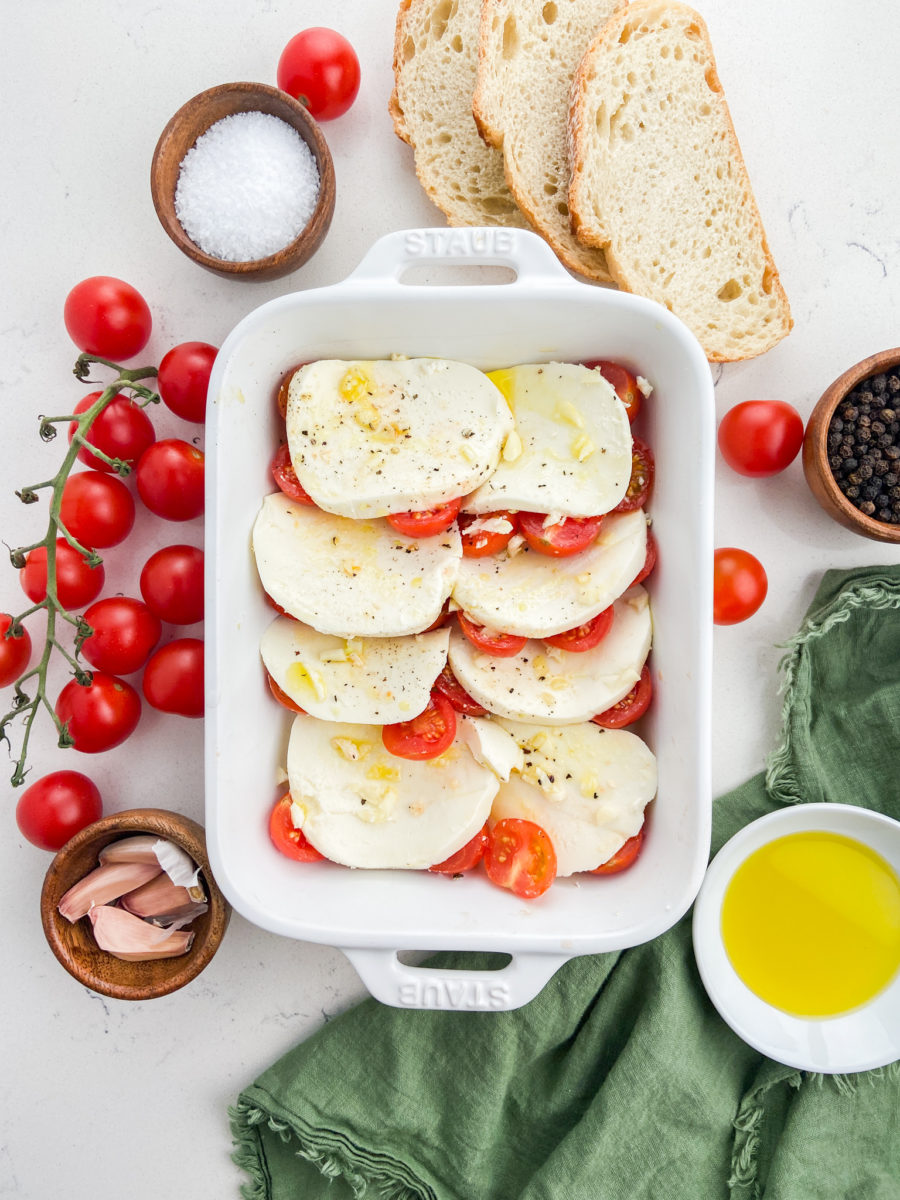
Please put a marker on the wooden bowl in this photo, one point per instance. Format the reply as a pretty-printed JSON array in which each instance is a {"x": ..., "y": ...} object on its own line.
[
  {"x": 74, "y": 945},
  {"x": 815, "y": 450},
  {"x": 192, "y": 120}
]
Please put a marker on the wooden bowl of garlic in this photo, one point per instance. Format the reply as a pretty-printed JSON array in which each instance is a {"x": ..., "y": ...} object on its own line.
[{"x": 129, "y": 905}]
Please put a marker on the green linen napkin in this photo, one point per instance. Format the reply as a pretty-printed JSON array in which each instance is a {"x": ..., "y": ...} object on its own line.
[{"x": 619, "y": 1081}]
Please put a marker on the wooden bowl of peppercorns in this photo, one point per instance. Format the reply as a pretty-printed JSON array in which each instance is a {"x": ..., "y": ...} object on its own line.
[{"x": 851, "y": 448}]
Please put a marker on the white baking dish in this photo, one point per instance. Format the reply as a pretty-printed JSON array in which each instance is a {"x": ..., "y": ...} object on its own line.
[{"x": 543, "y": 314}]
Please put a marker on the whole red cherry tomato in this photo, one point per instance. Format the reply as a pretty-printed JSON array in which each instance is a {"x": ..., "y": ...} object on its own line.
[
  {"x": 172, "y": 584},
  {"x": 319, "y": 68},
  {"x": 286, "y": 838},
  {"x": 125, "y": 632},
  {"x": 739, "y": 585},
  {"x": 107, "y": 317},
  {"x": 424, "y": 736},
  {"x": 520, "y": 856},
  {"x": 760, "y": 437},
  {"x": 53, "y": 809},
  {"x": 173, "y": 678},
  {"x": 77, "y": 584},
  {"x": 183, "y": 379},
  {"x": 101, "y": 714},
  {"x": 15, "y": 652},
  {"x": 170, "y": 479},
  {"x": 97, "y": 509},
  {"x": 122, "y": 430}
]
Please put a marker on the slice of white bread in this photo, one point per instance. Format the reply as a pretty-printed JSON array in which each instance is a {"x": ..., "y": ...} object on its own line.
[
  {"x": 658, "y": 181},
  {"x": 528, "y": 53},
  {"x": 435, "y": 56}
]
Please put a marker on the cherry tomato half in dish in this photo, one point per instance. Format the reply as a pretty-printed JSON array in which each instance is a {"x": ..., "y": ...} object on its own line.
[
  {"x": 101, "y": 714},
  {"x": 502, "y": 645},
  {"x": 739, "y": 585},
  {"x": 183, "y": 379},
  {"x": 287, "y": 839},
  {"x": 448, "y": 685},
  {"x": 571, "y": 535},
  {"x": 53, "y": 809},
  {"x": 586, "y": 636},
  {"x": 122, "y": 430},
  {"x": 97, "y": 509},
  {"x": 15, "y": 652},
  {"x": 640, "y": 485},
  {"x": 631, "y": 707},
  {"x": 623, "y": 381},
  {"x": 285, "y": 476},
  {"x": 649, "y": 559},
  {"x": 107, "y": 317},
  {"x": 173, "y": 678},
  {"x": 520, "y": 856},
  {"x": 282, "y": 697},
  {"x": 319, "y": 68},
  {"x": 77, "y": 584},
  {"x": 427, "y": 735},
  {"x": 125, "y": 632},
  {"x": 760, "y": 437},
  {"x": 466, "y": 858},
  {"x": 428, "y": 523},
  {"x": 170, "y": 479},
  {"x": 172, "y": 584},
  {"x": 623, "y": 858},
  {"x": 481, "y": 541}
]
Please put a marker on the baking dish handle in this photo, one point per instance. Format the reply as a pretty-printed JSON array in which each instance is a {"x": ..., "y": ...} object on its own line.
[
  {"x": 403, "y": 986},
  {"x": 520, "y": 250}
]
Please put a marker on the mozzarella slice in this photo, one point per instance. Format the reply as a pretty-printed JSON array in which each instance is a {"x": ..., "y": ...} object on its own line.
[
  {"x": 534, "y": 595},
  {"x": 368, "y": 438},
  {"x": 352, "y": 578},
  {"x": 490, "y": 745},
  {"x": 585, "y": 786},
  {"x": 375, "y": 680},
  {"x": 363, "y": 807},
  {"x": 573, "y": 441},
  {"x": 542, "y": 683}
]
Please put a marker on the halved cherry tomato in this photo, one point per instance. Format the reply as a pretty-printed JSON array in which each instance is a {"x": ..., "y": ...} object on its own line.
[
  {"x": 274, "y": 603},
  {"x": 483, "y": 542},
  {"x": 448, "y": 685},
  {"x": 425, "y": 736},
  {"x": 290, "y": 841},
  {"x": 623, "y": 857},
  {"x": 286, "y": 477},
  {"x": 282, "y": 697},
  {"x": 624, "y": 381},
  {"x": 520, "y": 856},
  {"x": 441, "y": 619},
  {"x": 502, "y": 645},
  {"x": 649, "y": 559},
  {"x": 466, "y": 858},
  {"x": 428, "y": 523},
  {"x": 586, "y": 636},
  {"x": 281, "y": 396},
  {"x": 630, "y": 707},
  {"x": 568, "y": 536},
  {"x": 640, "y": 485}
]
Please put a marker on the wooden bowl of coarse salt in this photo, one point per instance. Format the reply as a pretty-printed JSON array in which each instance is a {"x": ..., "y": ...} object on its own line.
[{"x": 242, "y": 181}]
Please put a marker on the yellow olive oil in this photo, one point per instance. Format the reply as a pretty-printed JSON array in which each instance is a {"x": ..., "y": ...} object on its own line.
[{"x": 811, "y": 923}]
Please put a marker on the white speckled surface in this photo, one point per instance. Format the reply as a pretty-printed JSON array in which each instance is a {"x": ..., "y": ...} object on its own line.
[{"x": 100, "y": 1099}]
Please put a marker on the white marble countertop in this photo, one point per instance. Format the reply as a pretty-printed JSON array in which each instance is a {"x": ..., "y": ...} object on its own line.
[{"x": 102, "y": 1098}]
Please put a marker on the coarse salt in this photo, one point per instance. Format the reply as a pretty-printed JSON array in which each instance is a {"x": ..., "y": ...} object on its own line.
[{"x": 247, "y": 187}]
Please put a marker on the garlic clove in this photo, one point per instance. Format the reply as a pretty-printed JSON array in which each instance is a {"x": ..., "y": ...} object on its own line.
[
  {"x": 126, "y": 936},
  {"x": 160, "y": 897},
  {"x": 105, "y": 883},
  {"x": 145, "y": 847},
  {"x": 139, "y": 848}
]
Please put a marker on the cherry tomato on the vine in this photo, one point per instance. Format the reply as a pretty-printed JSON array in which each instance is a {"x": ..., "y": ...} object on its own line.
[
  {"x": 107, "y": 317},
  {"x": 586, "y": 636},
  {"x": 183, "y": 379},
  {"x": 286, "y": 838},
  {"x": 424, "y": 736},
  {"x": 624, "y": 857},
  {"x": 100, "y": 714},
  {"x": 739, "y": 585},
  {"x": 285, "y": 476},
  {"x": 170, "y": 479},
  {"x": 53, "y": 809},
  {"x": 172, "y": 584},
  {"x": 623, "y": 381},
  {"x": 631, "y": 707},
  {"x": 427, "y": 523},
  {"x": 122, "y": 430},
  {"x": 125, "y": 632},
  {"x": 173, "y": 678},
  {"x": 15, "y": 652},
  {"x": 319, "y": 68},
  {"x": 568, "y": 536},
  {"x": 520, "y": 856},
  {"x": 640, "y": 485},
  {"x": 448, "y": 685},
  {"x": 77, "y": 584},
  {"x": 502, "y": 645},
  {"x": 467, "y": 857},
  {"x": 760, "y": 437},
  {"x": 97, "y": 509}
]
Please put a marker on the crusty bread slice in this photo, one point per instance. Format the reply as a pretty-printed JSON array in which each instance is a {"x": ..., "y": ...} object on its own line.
[
  {"x": 527, "y": 57},
  {"x": 658, "y": 181},
  {"x": 435, "y": 57}
]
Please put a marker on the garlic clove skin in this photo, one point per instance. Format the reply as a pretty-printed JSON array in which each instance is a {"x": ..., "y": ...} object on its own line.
[
  {"x": 177, "y": 864},
  {"x": 105, "y": 883},
  {"x": 160, "y": 897},
  {"x": 125, "y": 936},
  {"x": 146, "y": 847}
]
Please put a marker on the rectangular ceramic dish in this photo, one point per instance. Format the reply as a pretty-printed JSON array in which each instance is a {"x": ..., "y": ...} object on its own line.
[{"x": 542, "y": 315}]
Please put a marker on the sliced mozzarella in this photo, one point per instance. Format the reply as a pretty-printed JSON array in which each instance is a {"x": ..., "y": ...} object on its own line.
[
  {"x": 490, "y": 745},
  {"x": 374, "y": 680},
  {"x": 585, "y": 786},
  {"x": 543, "y": 683},
  {"x": 534, "y": 595},
  {"x": 571, "y": 450},
  {"x": 352, "y": 578},
  {"x": 363, "y": 807},
  {"x": 368, "y": 438}
]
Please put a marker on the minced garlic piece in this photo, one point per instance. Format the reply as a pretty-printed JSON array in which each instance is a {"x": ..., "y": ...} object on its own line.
[
  {"x": 582, "y": 448},
  {"x": 567, "y": 411},
  {"x": 512, "y": 447}
]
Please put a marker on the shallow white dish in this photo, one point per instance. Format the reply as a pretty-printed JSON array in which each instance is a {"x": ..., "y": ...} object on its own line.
[
  {"x": 860, "y": 1040},
  {"x": 543, "y": 314}
]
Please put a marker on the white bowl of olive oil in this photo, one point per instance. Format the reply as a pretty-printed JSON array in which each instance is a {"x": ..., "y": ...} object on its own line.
[{"x": 797, "y": 936}]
